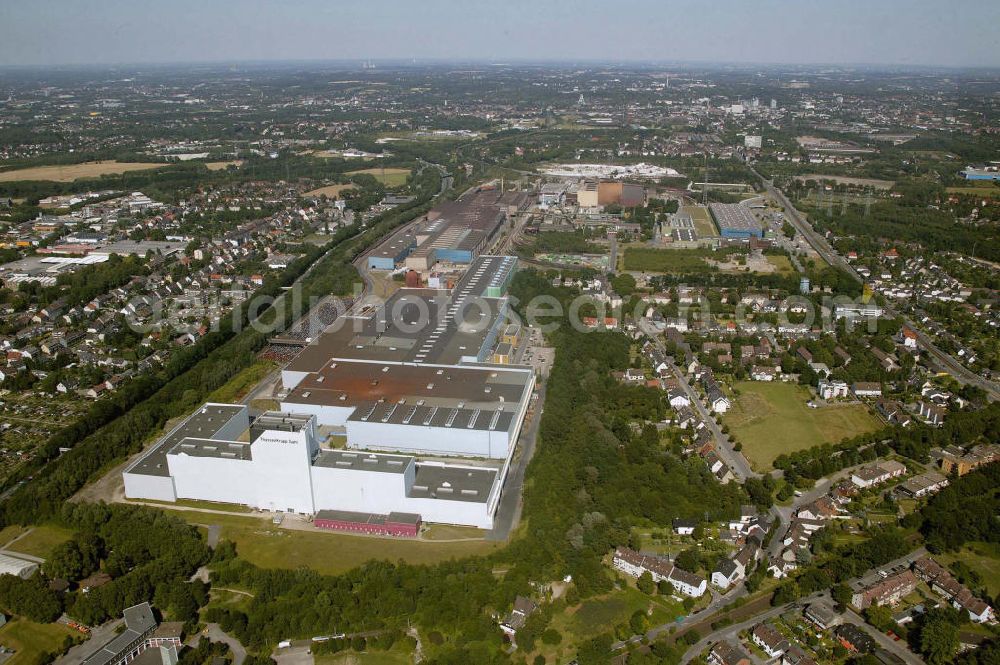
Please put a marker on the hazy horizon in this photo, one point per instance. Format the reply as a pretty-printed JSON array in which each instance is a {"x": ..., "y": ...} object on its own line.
[{"x": 893, "y": 33}]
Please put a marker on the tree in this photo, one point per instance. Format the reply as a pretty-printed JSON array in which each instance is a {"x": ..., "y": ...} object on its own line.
[
  {"x": 879, "y": 616},
  {"x": 842, "y": 594},
  {"x": 939, "y": 637},
  {"x": 645, "y": 583},
  {"x": 688, "y": 560}
]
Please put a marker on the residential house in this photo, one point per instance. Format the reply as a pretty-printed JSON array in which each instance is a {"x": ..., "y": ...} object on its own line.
[
  {"x": 867, "y": 389},
  {"x": 821, "y": 615},
  {"x": 922, "y": 485},
  {"x": 888, "y": 591},
  {"x": 727, "y": 653},
  {"x": 942, "y": 582},
  {"x": 684, "y": 527},
  {"x": 796, "y": 656},
  {"x": 854, "y": 639},
  {"x": 876, "y": 474},
  {"x": 763, "y": 373},
  {"x": 523, "y": 608},
  {"x": 769, "y": 639}
]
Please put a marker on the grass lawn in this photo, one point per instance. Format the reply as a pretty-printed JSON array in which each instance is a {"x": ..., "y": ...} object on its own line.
[
  {"x": 388, "y": 177},
  {"x": 772, "y": 418},
  {"x": 264, "y": 544},
  {"x": 30, "y": 640},
  {"x": 241, "y": 384},
  {"x": 9, "y": 533},
  {"x": 984, "y": 558},
  {"x": 41, "y": 541}
]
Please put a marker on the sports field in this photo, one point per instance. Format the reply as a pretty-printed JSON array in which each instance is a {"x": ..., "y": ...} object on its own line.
[
  {"x": 388, "y": 177},
  {"x": 71, "y": 172},
  {"x": 31, "y": 640},
  {"x": 772, "y": 418},
  {"x": 269, "y": 546}
]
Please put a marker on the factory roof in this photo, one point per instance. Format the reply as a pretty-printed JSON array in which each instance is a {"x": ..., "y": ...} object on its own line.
[
  {"x": 204, "y": 424},
  {"x": 362, "y": 461},
  {"x": 458, "y": 417},
  {"x": 234, "y": 450},
  {"x": 353, "y": 383},
  {"x": 733, "y": 216},
  {"x": 452, "y": 483},
  {"x": 418, "y": 325}
]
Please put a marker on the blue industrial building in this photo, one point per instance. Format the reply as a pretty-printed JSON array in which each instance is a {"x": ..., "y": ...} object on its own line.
[
  {"x": 391, "y": 254},
  {"x": 735, "y": 221},
  {"x": 980, "y": 174}
]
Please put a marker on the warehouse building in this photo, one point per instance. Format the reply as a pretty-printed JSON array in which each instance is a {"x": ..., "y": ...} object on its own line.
[
  {"x": 277, "y": 464},
  {"x": 390, "y": 254},
  {"x": 735, "y": 221}
]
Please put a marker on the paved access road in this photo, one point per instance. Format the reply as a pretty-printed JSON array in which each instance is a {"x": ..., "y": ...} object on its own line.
[
  {"x": 827, "y": 253},
  {"x": 733, "y": 459}
]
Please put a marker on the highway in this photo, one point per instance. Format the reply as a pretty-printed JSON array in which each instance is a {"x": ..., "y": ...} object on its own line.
[{"x": 827, "y": 253}]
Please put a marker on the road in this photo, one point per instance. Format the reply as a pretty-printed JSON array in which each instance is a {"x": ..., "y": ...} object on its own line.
[
  {"x": 718, "y": 602},
  {"x": 733, "y": 459},
  {"x": 511, "y": 495},
  {"x": 214, "y": 633},
  {"x": 730, "y": 632},
  {"x": 827, "y": 253}
]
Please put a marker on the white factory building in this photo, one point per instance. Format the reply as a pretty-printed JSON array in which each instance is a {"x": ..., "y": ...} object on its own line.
[
  {"x": 378, "y": 416},
  {"x": 275, "y": 463}
]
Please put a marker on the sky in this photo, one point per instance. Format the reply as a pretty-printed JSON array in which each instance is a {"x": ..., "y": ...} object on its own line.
[{"x": 956, "y": 33}]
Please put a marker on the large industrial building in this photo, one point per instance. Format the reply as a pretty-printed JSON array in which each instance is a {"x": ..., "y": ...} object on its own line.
[
  {"x": 454, "y": 232},
  {"x": 389, "y": 418},
  {"x": 735, "y": 221}
]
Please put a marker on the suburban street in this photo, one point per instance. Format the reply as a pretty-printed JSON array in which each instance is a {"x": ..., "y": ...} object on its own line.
[
  {"x": 733, "y": 459},
  {"x": 827, "y": 253}
]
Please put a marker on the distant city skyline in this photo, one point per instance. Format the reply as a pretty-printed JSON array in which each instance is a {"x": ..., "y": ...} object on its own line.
[{"x": 961, "y": 33}]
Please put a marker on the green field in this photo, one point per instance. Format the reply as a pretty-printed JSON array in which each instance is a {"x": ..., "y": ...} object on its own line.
[
  {"x": 388, "y": 177},
  {"x": 984, "y": 558},
  {"x": 264, "y": 544},
  {"x": 41, "y": 540},
  {"x": 30, "y": 640},
  {"x": 772, "y": 418},
  {"x": 688, "y": 261}
]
